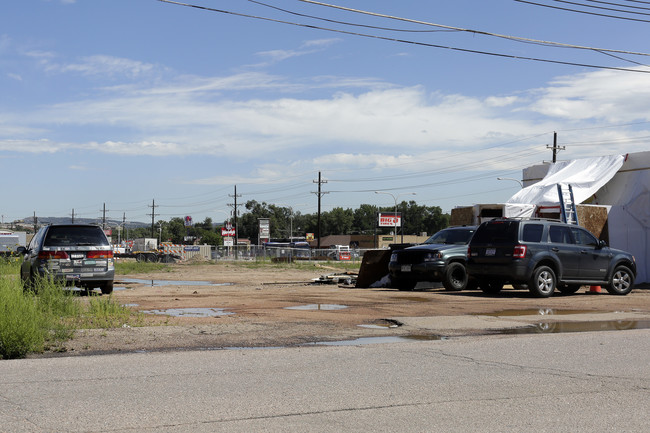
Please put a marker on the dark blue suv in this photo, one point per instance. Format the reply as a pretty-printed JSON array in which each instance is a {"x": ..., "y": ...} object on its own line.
[{"x": 543, "y": 255}]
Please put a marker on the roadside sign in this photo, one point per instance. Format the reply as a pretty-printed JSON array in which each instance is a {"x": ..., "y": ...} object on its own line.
[
  {"x": 227, "y": 232},
  {"x": 390, "y": 219}
]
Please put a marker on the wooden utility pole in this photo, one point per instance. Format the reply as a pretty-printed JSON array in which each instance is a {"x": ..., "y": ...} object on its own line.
[
  {"x": 235, "y": 218},
  {"x": 153, "y": 216},
  {"x": 320, "y": 194},
  {"x": 555, "y": 147}
]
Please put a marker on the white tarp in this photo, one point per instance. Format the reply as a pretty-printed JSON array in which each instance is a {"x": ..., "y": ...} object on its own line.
[{"x": 586, "y": 176}]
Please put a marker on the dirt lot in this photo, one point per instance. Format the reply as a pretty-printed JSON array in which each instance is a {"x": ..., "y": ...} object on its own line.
[{"x": 255, "y": 310}]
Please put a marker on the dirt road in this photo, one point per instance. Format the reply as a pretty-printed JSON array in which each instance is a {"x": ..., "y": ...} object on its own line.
[{"x": 269, "y": 307}]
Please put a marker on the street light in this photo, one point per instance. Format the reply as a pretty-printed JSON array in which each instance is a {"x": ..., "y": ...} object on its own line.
[
  {"x": 395, "y": 199},
  {"x": 510, "y": 178}
]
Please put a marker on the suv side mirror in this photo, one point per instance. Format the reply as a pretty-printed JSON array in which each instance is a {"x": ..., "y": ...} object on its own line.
[
  {"x": 21, "y": 250},
  {"x": 602, "y": 244}
]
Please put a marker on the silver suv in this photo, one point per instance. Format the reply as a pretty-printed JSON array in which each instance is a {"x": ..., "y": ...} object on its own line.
[{"x": 79, "y": 255}]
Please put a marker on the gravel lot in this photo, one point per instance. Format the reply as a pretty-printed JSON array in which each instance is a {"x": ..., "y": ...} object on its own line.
[{"x": 273, "y": 306}]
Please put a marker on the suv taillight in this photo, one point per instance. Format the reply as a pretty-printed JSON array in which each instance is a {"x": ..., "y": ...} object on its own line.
[
  {"x": 99, "y": 255},
  {"x": 519, "y": 252},
  {"x": 48, "y": 255}
]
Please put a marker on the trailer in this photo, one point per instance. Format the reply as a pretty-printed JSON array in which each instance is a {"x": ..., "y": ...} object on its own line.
[
  {"x": 10, "y": 241},
  {"x": 148, "y": 250}
]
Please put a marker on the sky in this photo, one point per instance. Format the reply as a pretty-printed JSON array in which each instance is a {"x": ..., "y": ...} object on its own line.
[{"x": 146, "y": 106}]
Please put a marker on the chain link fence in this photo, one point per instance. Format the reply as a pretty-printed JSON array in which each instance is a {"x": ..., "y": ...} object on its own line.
[{"x": 282, "y": 254}]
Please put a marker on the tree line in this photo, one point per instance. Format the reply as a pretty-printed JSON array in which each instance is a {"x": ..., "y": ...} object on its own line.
[{"x": 285, "y": 223}]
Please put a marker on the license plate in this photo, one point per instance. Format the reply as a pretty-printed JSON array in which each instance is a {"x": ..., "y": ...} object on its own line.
[
  {"x": 406, "y": 268},
  {"x": 490, "y": 251},
  {"x": 77, "y": 256}
]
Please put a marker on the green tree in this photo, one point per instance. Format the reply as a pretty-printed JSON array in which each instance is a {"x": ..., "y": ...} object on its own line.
[{"x": 365, "y": 219}]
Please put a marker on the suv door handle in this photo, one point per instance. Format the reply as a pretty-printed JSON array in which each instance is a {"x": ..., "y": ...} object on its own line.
[{"x": 555, "y": 249}]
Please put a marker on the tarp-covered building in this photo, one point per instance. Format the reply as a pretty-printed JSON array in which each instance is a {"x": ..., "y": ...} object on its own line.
[{"x": 620, "y": 183}]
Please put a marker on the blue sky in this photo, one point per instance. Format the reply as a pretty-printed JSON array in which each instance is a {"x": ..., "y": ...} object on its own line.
[{"x": 122, "y": 102}]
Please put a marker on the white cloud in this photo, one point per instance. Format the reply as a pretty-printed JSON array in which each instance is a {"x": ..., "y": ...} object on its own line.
[
  {"x": 104, "y": 66},
  {"x": 606, "y": 96}
]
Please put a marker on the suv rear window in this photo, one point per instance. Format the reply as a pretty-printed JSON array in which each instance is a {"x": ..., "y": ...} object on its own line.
[
  {"x": 497, "y": 232},
  {"x": 74, "y": 236},
  {"x": 533, "y": 232}
]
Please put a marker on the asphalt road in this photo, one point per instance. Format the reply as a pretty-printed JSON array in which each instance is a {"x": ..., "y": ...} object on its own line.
[{"x": 573, "y": 382}]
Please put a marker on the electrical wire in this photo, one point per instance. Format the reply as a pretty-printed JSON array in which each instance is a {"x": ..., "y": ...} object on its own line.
[
  {"x": 429, "y": 45},
  {"x": 478, "y": 32},
  {"x": 581, "y": 12}
]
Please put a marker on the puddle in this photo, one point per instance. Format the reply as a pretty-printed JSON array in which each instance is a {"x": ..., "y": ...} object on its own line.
[
  {"x": 560, "y": 327},
  {"x": 538, "y": 311},
  {"x": 130, "y": 305},
  {"x": 382, "y": 324},
  {"x": 171, "y": 282},
  {"x": 413, "y": 298},
  {"x": 317, "y": 307},
  {"x": 191, "y": 312},
  {"x": 378, "y": 340}
]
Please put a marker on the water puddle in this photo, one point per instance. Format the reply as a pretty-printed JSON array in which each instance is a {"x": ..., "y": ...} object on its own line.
[
  {"x": 171, "y": 282},
  {"x": 537, "y": 311},
  {"x": 382, "y": 324},
  {"x": 378, "y": 340},
  {"x": 560, "y": 327},
  {"x": 317, "y": 307},
  {"x": 191, "y": 312},
  {"x": 413, "y": 298},
  {"x": 130, "y": 305}
]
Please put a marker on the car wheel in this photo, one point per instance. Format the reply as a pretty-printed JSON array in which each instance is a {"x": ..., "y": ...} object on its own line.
[
  {"x": 621, "y": 281},
  {"x": 107, "y": 288},
  {"x": 490, "y": 287},
  {"x": 542, "y": 283},
  {"x": 455, "y": 277},
  {"x": 568, "y": 289},
  {"x": 402, "y": 284}
]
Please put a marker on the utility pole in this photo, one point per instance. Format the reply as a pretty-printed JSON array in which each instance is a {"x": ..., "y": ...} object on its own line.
[
  {"x": 153, "y": 216},
  {"x": 72, "y": 221},
  {"x": 320, "y": 194},
  {"x": 126, "y": 233},
  {"x": 104, "y": 217},
  {"x": 234, "y": 212},
  {"x": 35, "y": 223},
  {"x": 555, "y": 147}
]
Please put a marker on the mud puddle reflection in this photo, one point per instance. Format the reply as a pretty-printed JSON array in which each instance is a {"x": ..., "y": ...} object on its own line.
[{"x": 191, "y": 312}]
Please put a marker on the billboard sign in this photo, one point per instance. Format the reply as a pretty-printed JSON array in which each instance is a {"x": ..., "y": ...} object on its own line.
[{"x": 390, "y": 219}]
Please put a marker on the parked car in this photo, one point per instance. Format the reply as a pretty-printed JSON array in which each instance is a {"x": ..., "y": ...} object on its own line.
[
  {"x": 79, "y": 255},
  {"x": 543, "y": 255},
  {"x": 441, "y": 258}
]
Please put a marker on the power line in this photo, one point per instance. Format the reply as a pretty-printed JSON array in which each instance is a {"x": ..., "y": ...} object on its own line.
[
  {"x": 430, "y": 45},
  {"x": 580, "y": 11},
  {"x": 479, "y": 32}
]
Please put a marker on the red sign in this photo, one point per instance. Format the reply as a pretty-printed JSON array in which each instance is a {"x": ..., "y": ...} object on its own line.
[
  {"x": 390, "y": 219},
  {"x": 227, "y": 232}
]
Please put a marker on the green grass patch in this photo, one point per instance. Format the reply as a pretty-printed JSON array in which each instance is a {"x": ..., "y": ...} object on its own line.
[
  {"x": 133, "y": 267},
  {"x": 47, "y": 315}
]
